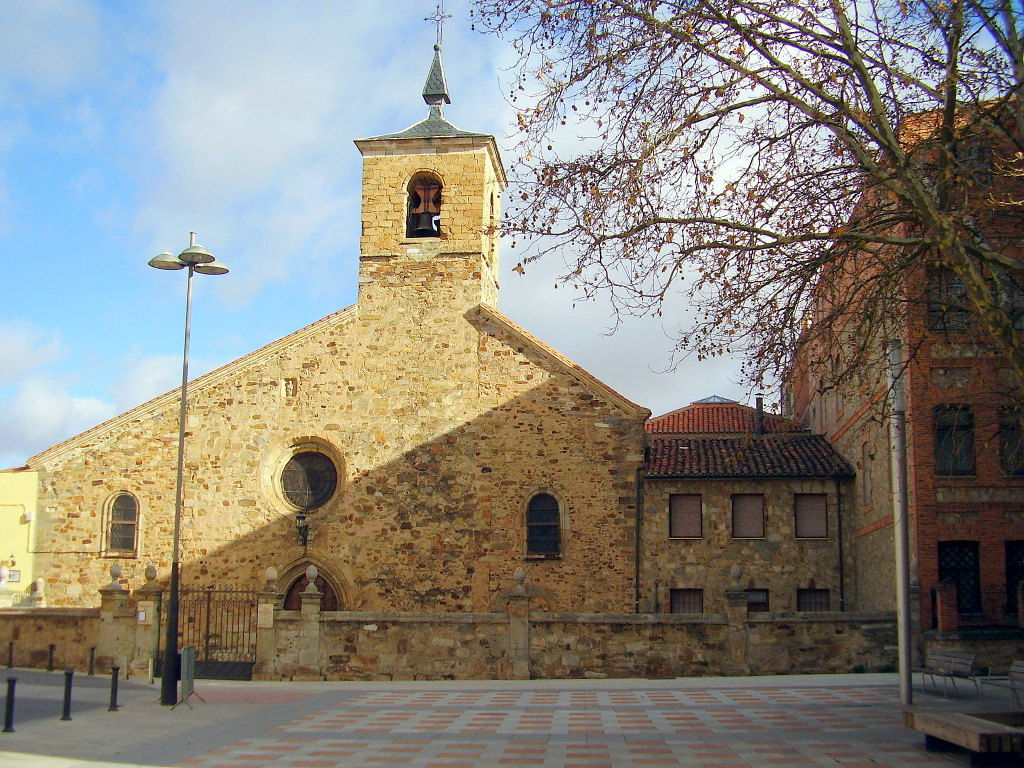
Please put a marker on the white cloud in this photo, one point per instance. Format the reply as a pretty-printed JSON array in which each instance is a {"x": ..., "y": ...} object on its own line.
[
  {"x": 24, "y": 348},
  {"x": 43, "y": 412},
  {"x": 141, "y": 378},
  {"x": 48, "y": 44}
]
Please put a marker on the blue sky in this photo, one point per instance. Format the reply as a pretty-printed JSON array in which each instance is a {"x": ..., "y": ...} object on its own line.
[{"x": 123, "y": 126}]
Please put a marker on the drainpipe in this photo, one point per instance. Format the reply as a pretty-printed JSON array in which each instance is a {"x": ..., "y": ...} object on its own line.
[{"x": 839, "y": 535}]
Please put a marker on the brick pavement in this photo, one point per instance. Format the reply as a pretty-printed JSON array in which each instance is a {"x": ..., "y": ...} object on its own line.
[{"x": 849, "y": 721}]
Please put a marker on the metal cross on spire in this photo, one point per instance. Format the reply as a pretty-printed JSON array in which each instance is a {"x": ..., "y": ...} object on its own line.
[{"x": 438, "y": 18}]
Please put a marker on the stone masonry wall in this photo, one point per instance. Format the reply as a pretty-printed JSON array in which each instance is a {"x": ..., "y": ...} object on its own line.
[
  {"x": 388, "y": 646},
  {"x": 72, "y": 630},
  {"x": 780, "y": 562}
]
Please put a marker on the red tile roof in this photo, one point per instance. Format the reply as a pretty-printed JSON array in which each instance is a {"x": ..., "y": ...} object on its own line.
[
  {"x": 717, "y": 419},
  {"x": 779, "y": 455}
]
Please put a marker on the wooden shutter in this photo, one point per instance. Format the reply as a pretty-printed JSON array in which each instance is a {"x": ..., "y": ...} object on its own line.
[
  {"x": 684, "y": 512},
  {"x": 748, "y": 516},
  {"x": 811, "y": 516}
]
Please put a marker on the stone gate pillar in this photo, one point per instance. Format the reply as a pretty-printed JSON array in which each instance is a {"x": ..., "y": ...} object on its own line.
[
  {"x": 517, "y": 605},
  {"x": 147, "y": 626},
  {"x": 116, "y": 641},
  {"x": 266, "y": 635},
  {"x": 309, "y": 630},
  {"x": 736, "y": 641}
]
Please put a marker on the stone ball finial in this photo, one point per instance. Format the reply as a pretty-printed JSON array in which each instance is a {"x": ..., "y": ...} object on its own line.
[
  {"x": 150, "y": 573},
  {"x": 270, "y": 574},
  {"x": 39, "y": 586},
  {"x": 115, "y": 574},
  {"x": 736, "y": 573},
  {"x": 311, "y": 573},
  {"x": 519, "y": 577}
]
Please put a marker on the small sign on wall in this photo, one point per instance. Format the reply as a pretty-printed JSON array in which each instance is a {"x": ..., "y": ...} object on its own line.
[
  {"x": 265, "y": 616},
  {"x": 13, "y": 575},
  {"x": 146, "y": 612}
]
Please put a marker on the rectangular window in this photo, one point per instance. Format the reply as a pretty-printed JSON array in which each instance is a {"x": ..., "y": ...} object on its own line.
[
  {"x": 687, "y": 600},
  {"x": 748, "y": 516},
  {"x": 811, "y": 518},
  {"x": 684, "y": 516},
  {"x": 812, "y": 600},
  {"x": 954, "y": 440},
  {"x": 757, "y": 600},
  {"x": 948, "y": 307},
  {"x": 1011, "y": 441},
  {"x": 958, "y": 563}
]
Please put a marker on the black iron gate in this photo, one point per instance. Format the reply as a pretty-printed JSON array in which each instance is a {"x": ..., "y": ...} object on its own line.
[{"x": 221, "y": 625}]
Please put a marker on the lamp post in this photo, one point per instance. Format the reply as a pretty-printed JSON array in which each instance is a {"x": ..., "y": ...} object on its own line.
[{"x": 196, "y": 259}]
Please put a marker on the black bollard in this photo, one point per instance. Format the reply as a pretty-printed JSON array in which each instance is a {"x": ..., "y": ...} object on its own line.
[
  {"x": 49, "y": 659},
  {"x": 10, "y": 654},
  {"x": 68, "y": 676},
  {"x": 92, "y": 660},
  {"x": 9, "y": 711},
  {"x": 113, "y": 689}
]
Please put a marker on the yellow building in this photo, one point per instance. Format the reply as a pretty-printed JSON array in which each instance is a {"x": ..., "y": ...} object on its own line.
[{"x": 19, "y": 494}]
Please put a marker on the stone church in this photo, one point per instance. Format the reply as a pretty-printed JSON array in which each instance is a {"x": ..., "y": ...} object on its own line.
[{"x": 417, "y": 447}]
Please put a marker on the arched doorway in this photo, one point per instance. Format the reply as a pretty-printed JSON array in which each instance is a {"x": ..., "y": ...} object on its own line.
[{"x": 293, "y": 597}]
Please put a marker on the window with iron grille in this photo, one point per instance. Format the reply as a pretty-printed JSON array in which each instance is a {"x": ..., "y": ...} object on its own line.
[
  {"x": 812, "y": 600},
  {"x": 757, "y": 600},
  {"x": 958, "y": 563},
  {"x": 684, "y": 516},
  {"x": 542, "y": 526},
  {"x": 1014, "y": 572},
  {"x": 1011, "y": 441},
  {"x": 748, "y": 516},
  {"x": 309, "y": 480},
  {"x": 948, "y": 306},
  {"x": 686, "y": 600},
  {"x": 123, "y": 525},
  {"x": 811, "y": 517},
  {"x": 1010, "y": 291},
  {"x": 954, "y": 440}
]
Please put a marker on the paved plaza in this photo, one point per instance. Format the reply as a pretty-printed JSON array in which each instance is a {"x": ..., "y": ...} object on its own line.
[{"x": 814, "y": 720}]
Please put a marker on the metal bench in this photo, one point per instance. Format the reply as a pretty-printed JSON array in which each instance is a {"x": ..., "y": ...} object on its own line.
[
  {"x": 1013, "y": 679},
  {"x": 950, "y": 665}
]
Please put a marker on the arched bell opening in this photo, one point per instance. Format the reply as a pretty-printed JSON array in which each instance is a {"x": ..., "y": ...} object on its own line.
[{"x": 423, "y": 217}]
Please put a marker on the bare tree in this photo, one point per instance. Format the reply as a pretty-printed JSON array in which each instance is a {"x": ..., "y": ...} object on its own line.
[{"x": 775, "y": 163}]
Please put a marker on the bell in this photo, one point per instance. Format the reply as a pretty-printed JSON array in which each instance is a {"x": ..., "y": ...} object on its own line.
[{"x": 424, "y": 225}]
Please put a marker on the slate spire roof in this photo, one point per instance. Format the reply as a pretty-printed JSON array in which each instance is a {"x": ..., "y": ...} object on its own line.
[{"x": 435, "y": 94}]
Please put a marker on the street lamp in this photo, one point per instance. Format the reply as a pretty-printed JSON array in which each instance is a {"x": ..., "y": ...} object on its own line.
[{"x": 197, "y": 259}]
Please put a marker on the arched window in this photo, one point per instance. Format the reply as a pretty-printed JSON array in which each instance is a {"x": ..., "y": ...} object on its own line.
[
  {"x": 424, "y": 206},
  {"x": 123, "y": 525},
  {"x": 542, "y": 526},
  {"x": 309, "y": 480}
]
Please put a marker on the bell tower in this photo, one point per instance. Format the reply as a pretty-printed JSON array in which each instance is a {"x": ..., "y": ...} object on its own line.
[{"x": 430, "y": 212}]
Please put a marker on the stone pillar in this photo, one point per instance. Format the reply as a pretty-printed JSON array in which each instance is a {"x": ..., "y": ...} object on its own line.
[
  {"x": 308, "y": 667},
  {"x": 736, "y": 641},
  {"x": 116, "y": 641},
  {"x": 266, "y": 636},
  {"x": 947, "y": 618},
  {"x": 147, "y": 624},
  {"x": 517, "y": 605}
]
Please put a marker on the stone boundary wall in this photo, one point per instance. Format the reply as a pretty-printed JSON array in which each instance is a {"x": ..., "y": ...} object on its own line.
[
  {"x": 516, "y": 643},
  {"x": 72, "y": 630}
]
